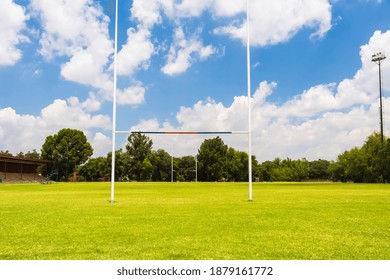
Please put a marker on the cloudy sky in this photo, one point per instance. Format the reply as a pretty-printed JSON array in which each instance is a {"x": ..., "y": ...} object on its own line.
[{"x": 182, "y": 66}]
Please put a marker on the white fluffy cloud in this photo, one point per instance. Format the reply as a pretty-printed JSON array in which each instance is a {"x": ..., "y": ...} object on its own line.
[
  {"x": 21, "y": 133},
  {"x": 136, "y": 52},
  {"x": 79, "y": 30},
  {"x": 222, "y": 8},
  {"x": 131, "y": 95},
  {"x": 100, "y": 144},
  {"x": 272, "y": 23},
  {"x": 275, "y": 22},
  {"x": 184, "y": 52},
  {"x": 148, "y": 12},
  {"x": 12, "y": 23}
]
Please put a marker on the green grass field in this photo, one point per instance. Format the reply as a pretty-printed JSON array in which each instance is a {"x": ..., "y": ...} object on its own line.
[{"x": 192, "y": 221}]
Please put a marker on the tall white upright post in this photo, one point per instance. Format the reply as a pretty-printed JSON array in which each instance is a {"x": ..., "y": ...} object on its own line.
[
  {"x": 196, "y": 168},
  {"x": 172, "y": 163},
  {"x": 114, "y": 107},
  {"x": 248, "y": 56}
]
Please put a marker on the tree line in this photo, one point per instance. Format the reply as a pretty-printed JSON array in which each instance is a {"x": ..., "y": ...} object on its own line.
[
  {"x": 215, "y": 161},
  {"x": 69, "y": 151}
]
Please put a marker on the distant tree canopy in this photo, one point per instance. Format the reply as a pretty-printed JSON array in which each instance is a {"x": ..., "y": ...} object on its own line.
[
  {"x": 66, "y": 149},
  {"x": 285, "y": 170},
  {"x": 97, "y": 169},
  {"x": 139, "y": 149},
  {"x": 212, "y": 160},
  {"x": 215, "y": 161},
  {"x": 30, "y": 154},
  {"x": 5, "y": 153},
  {"x": 368, "y": 164}
]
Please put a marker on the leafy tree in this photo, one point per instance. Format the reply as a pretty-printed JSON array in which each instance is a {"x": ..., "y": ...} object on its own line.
[
  {"x": 5, "y": 153},
  {"x": 186, "y": 168},
  {"x": 66, "y": 149},
  {"x": 122, "y": 165},
  {"x": 386, "y": 160},
  {"x": 319, "y": 169},
  {"x": 284, "y": 170},
  {"x": 370, "y": 163},
  {"x": 20, "y": 155},
  {"x": 139, "y": 147},
  {"x": 302, "y": 169},
  {"x": 375, "y": 157},
  {"x": 32, "y": 154},
  {"x": 95, "y": 169},
  {"x": 212, "y": 160},
  {"x": 147, "y": 170},
  {"x": 336, "y": 172},
  {"x": 265, "y": 171},
  {"x": 161, "y": 162},
  {"x": 354, "y": 165},
  {"x": 237, "y": 166}
]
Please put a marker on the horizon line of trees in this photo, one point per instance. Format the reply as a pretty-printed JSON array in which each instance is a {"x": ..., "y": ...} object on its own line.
[{"x": 69, "y": 151}]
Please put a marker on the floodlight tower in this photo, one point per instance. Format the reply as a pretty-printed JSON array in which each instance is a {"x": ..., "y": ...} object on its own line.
[{"x": 377, "y": 58}]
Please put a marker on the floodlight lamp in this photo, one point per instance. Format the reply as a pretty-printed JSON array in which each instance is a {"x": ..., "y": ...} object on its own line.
[{"x": 378, "y": 57}]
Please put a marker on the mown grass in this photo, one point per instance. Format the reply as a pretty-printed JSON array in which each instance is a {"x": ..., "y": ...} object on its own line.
[{"x": 195, "y": 221}]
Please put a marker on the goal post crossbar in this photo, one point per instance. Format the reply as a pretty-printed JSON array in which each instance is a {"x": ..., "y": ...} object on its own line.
[{"x": 183, "y": 132}]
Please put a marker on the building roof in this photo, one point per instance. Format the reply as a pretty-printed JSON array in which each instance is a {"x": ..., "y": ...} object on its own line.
[{"x": 32, "y": 161}]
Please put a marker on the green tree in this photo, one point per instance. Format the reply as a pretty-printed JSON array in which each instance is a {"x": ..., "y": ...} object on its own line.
[
  {"x": 95, "y": 169},
  {"x": 66, "y": 149},
  {"x": 147, "y": 170},
  {"x": 370, "y": 163},
  {"x": 186, "y": 168},
  {"x": 139, "y": 147},
  {"x": 319, "y": 169},
  {"x": 212, "y": 160},
  {"x": 237, "y": 165},
  {"x": 386, "y": 160},
  {"x": 354, "y": 165},
  {"x": 375, "y": 158},
  {"x": 336, "y": 172},
  {"x": 161, "y": 162},
  {"x": 32, "y": 154},
  {"x": 5, "y": 153},
  {"x": 265, "y": 171},
  {"x": 284, "y": 170},
  {"x": 122, "y": 165},
  {"x": 20, "y": 155}
]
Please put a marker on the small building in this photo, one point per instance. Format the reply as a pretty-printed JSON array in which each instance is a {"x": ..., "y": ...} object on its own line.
[{"x": 16, "y": 169}]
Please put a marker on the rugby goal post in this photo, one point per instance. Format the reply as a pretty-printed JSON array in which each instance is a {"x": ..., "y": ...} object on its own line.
[{"x": 248, "y": 132}]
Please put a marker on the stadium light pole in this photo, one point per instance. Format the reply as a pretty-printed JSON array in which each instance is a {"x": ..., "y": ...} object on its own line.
[
  {"x": 114, "y": 107},
  {"x": 248, "y": 57},
  {"x": 377, "y": 58}
]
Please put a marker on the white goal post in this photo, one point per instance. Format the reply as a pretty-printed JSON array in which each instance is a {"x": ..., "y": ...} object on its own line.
[{"x": 248, "y": 132}]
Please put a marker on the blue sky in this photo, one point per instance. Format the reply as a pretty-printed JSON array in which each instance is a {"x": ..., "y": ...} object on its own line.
[{"x": 182, "y": 66}]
